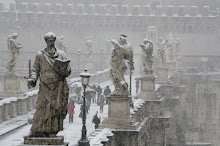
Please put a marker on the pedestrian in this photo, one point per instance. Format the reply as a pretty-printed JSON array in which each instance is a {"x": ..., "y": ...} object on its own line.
[
  {"x": 96, "y": 120},
  {"x": 81, "y": 110},
  {"x": 99, "y": 92},
  {"x": 101, "y": 102},
  {"x": 71, "y": 107},
  {"x": 107, "y": 91},
  {"x": 137, "y": 84}
]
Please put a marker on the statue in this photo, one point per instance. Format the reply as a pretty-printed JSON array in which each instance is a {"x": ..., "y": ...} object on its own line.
[
  {"x": 89, "y": 44},
  {"x": 170, "y": 48},
  {"x": 52, "y": 67},
  {"x": 161, "y": 51},
  {"x": 61, "y": 44},
  {"x": 14, "y": 48},
  {"x": 147, "y": 58},
  {"x": 122, "y": 51}
]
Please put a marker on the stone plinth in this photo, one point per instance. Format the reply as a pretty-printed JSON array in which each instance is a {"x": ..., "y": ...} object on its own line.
[
  {"x": 118, "y": 112},
  {"x": 59, "y": 140},
  {"x": 147, "y": 87},
  {"x": 172, "y": 68},
  {"x": 162, "y": 74},
  {"x": 11, "y": 86}
]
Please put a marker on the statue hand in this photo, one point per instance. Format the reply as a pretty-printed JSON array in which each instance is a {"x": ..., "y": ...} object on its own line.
[{"x": 31, "y": 83}]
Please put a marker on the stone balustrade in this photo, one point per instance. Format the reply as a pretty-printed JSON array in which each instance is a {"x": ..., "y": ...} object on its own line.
[
  {"x": 101, "y": 9},
  {"x": 15, "y": 106}
]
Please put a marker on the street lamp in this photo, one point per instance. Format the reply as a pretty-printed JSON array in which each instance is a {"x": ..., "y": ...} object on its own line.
[
  {"x": 79, "y": 52},
  {"x": 85, "y": 81}
]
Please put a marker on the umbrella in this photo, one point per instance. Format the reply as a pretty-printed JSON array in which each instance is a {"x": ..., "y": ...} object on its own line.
[
  {"x": 73, "y": 97},
  {"x": 76, "y": 84}
]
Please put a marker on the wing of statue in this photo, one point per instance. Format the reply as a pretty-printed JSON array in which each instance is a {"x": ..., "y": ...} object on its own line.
[{"x": 115, "y": 43}]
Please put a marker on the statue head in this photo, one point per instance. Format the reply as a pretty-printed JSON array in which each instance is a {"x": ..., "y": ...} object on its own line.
[
  {"x": 122, "y": 39},
  {"x": 50, "y": 39},
  {"x": 145, "y": 41},
  {"x": 14, "y": 35}
]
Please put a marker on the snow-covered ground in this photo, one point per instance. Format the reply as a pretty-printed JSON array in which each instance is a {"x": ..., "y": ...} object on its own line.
[{"x": 71, "y": 132}]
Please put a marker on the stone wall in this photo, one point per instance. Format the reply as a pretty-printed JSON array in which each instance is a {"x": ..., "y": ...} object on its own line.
[
  {"x": 196, "y": 29},
  {"x": 15, "y": 106}
]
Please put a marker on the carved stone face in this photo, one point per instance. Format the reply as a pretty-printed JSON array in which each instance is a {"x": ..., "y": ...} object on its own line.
[{"x": 50, "y": 42}]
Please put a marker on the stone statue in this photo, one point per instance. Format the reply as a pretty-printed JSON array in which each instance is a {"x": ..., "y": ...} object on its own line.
[
  {"x": 52, "y": 67},
  {"x": 161, "y": 51},
  {"x": 170, "y": 46},
  {"x": 122, "y": 51},
  {"x": 89, "y": 44},
  {"x": 61, "y": 44},
  {"x": 14, "y": 48},
  {"x": 147, "y": 58}
]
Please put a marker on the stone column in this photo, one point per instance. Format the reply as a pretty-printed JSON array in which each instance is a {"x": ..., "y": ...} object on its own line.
[
  {"x": 80, "y": 9},
  {"x": 146, "y": 10},
  {"x": 135, "y": 10},
  {"x": 181, "y": 10},
  {"x": 12, "y": 7},
  {"x": 47, "y": 8},
  {"x": 124, "y": 10},
  {"x": 1, "y": 7},
  {"x": 14, "y": 108},
  {"x": 114, "y": 9},
  {"x": 158, "y": 10},
  {"x": 194, "y": 11},
  {"x": 91, "y": 9},
  {"x": 205, "y": 11},
  {"x": 162, "y": 74},
  {"x": 5, "y": 112},
  {"x": 58, "y": 8},
  {"x": 69, "y": 9},
  {"x": 118, "y": 112},
  {"x": 35, "y": 7},
  {"x": 24, "y": 7},
  {"x": 1, "y": 113}
]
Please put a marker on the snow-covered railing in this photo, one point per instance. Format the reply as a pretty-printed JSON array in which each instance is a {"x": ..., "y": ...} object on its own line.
[{"x": 13, "y": 106}]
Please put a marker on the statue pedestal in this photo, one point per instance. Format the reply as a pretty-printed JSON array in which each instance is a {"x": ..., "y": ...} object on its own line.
[
  {"x": 147, "y": 87},
  {"x": 172, "y": 68},
  {"x": 59, "y": 140},
  {"x": 11, "y": 86},
  {"x": 118, "y": 112},
  {"x": 162, "y": 75}
]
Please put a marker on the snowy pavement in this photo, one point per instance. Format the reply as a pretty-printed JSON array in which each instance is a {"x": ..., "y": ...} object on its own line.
[{"x": 71, "y": 132}]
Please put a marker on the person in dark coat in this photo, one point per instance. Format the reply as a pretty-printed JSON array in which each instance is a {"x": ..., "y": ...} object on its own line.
[
  {"x": 99, "y": 92},
  {"x": 107, "y": 91},
  {"x": 101, "y": 102},
  {"x": 71, "y": 107},
  {"x": 96, "y": 120}
]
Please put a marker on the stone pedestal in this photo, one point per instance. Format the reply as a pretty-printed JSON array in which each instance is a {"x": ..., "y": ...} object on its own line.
[
  {"x": 11, "y": 86},
  {"x": 59, "y": 140},
  {"x": 147, "y": 87},
  {"x": 118, "y": 112},
  {"x": 172, "y": 68},
  {"x": 162, "y": 75}
]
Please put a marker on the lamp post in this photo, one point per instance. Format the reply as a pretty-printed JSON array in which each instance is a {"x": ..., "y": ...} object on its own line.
[
  {"x": 78, "y": 52},
  {"x": 85, "y": 81}
]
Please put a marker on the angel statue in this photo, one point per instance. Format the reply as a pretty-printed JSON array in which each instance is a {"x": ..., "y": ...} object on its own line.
[
  {"x": 61, "y": 45},
  {"x": 147, "y": 58},
  {"x": 161, "y": 51},
  {"x": 121, "y": 52},
  {"x": 14, "y": 48}
]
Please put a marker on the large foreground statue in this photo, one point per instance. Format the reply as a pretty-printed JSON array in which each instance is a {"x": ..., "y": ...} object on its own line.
[
  {"x": 122, "y": 51},
  {"x": 14, "y": 48},
  {"x": 52, "y": 67}
]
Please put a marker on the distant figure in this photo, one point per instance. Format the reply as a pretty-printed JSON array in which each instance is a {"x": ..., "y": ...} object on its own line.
[
  {"x": 14, "y": 48},
  {"x": 101, "y": 102},
  {"x": 137, "y": 84},
  {"x": 61, "y": 44},
  {"x": 107, "y": 91},
  {"x": 96, "y": 120},
  {"x": 89, "y": 44},
  {"x": 71, "y": 107},
  {"x": 99, "y": 92},
  {"x": 81, "y": 111}
]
